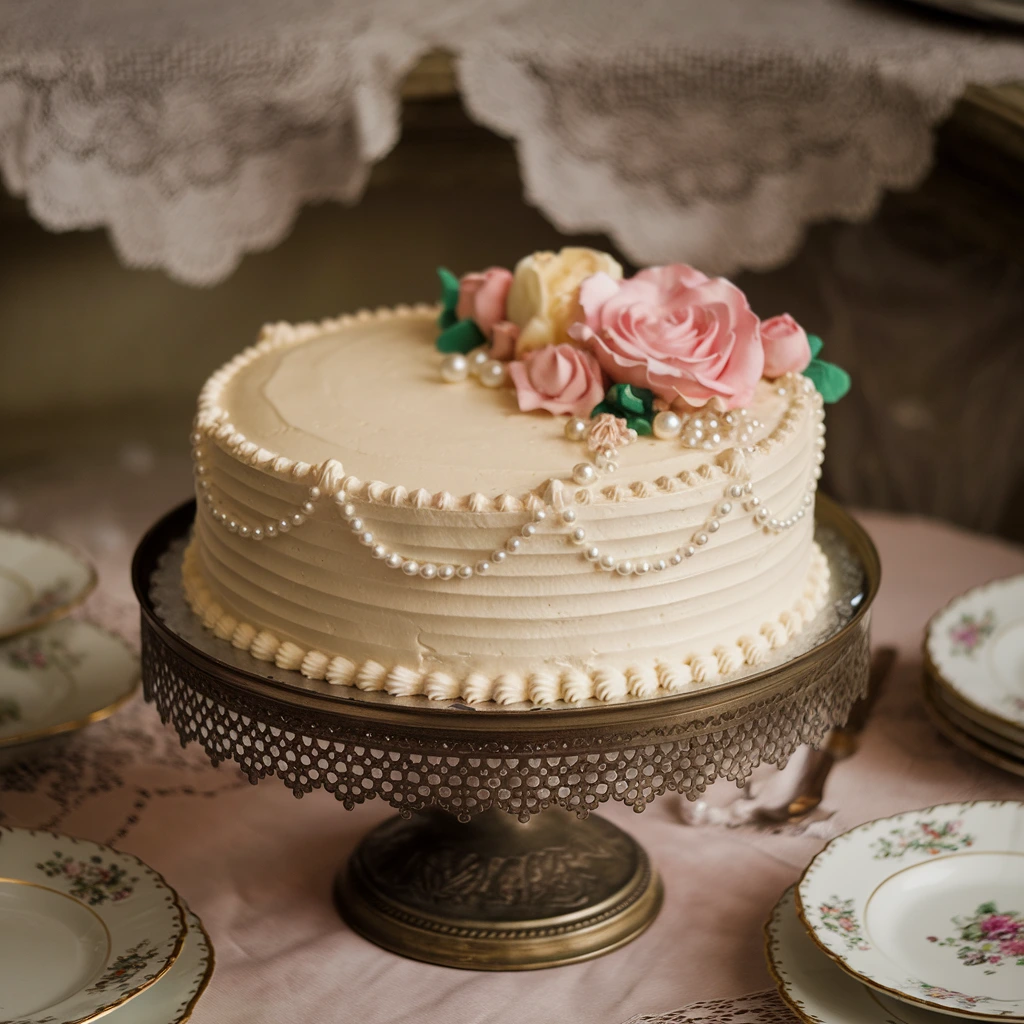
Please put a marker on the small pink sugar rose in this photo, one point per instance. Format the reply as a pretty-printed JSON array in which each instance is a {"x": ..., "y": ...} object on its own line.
[
  {"x": 504, "y": 336},
  {"x": 675, "y": 331},
  {"x": 482, "y": 297},
  {"x": 786, "y": 349},
  {"x": 562, "y": 379}
]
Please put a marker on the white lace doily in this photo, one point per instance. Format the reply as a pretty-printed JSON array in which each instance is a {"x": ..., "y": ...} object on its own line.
[
  {"x": 713, "y": 133},
  {"x": 755, "y": 1008}
]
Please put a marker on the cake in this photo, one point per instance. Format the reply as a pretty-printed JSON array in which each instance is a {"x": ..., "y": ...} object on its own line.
[{"x": 560, "y": 485}]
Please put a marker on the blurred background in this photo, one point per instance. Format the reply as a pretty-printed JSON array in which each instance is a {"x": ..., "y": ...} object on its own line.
[{"x": 917, "y": 289}]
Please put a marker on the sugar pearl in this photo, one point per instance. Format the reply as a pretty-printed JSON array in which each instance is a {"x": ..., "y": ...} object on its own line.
[
  {"x": 579, "y": 535},
  {"x": 232, "y": 526},
  {"x": 713, "y": 525},
  {"x": 309, "y": 508},
  {"x": 348, "y": 511},
  {"x": 689, "y": 551},
  {"x": 642, "y": 568},
  {"x": 592, "y": 554},
  {"x": 366, "y": 538},
  {"x": 513, "y": 544},
  {"x": 283, "y": 526},
  {"x": 257, "y": 533},
  {"x": 700, "y": 539},
  {"x": 624, "y": 568},
  {"x": 568, "y": 516},
  {"x": 243, "y": 531},
  {"x": 356, "y": 525},
  {"x": 667, "y": 425},
  {"x": 724, "y": 508},
  {"x": 735, "y": 491},
  {"x": 528, "y": 530},
  {"x": 428, "y": 570},
  {"x": 314, "y": 493},
  {"x": 607, "y": 563},
  {"x": 464, "y": 572},
  {"x": 298, "y": 519},
  {"x": 676, "y": 558},
  {"x": 492, "y": 374},
  {"x": 445, "y": 572},
  {"x": 379, "y": 551},
  {"x": 660, "y": 565},
  {"x": 410, "y": 567},
  {"x": 394, "y": 560},
  {"x": 483, "y": 566},
  {"x": 583, "y": 473},
  {"x": 454, "y": 367},
  {"x": 539, "y": 516},
  {"x": 477, "y": 360},
  {"x": 576, "y": 429},
  {"x": 270, "y": 530},
  {"x": 498, "y": 555}
]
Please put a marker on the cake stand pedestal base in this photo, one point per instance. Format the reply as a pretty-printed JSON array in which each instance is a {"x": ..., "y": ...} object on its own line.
[{"x": 498, "y": 894}]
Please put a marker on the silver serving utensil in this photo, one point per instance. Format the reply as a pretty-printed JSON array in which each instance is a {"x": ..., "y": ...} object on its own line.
[{"x": 840, "y": 744}]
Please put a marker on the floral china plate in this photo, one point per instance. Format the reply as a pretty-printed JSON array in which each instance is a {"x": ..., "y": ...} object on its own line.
[
  {"x": 173, "y": 998},
  {"x": 40, "y": 581},
  {"x": 818, "y": 991},
  {"x": 86, "y": 928},
  {"x": 968, "y": 740},
  {"x": 974, "y": 648},
  {"x": 60, "y": 678},
  {"x": 927, "y": 907}
]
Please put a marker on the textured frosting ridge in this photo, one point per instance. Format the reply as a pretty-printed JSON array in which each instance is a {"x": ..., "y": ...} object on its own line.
[
  {"x": 364, "y": 524},
  {"x": 545, "y": 686}
]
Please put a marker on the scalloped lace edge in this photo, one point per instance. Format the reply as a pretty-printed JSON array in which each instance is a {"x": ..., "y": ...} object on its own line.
[{"x": 543, "y": 686}]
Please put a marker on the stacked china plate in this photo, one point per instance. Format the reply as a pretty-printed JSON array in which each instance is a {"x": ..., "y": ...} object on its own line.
[
  {"x": 57, "y": 674},
  {"x": 974, "y": 672},
  {"x": 87, "y": 931},
  {"x": 917, "y": 918}
]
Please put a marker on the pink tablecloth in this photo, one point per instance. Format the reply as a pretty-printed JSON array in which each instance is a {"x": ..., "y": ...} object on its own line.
[{"x": 257, "y": 864}]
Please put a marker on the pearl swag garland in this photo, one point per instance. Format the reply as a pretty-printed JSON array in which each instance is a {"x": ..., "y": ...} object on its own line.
[{"x": 667, "y": 425}]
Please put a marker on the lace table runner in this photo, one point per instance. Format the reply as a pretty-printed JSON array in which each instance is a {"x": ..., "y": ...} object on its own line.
[{"x": 711, "y": 133}]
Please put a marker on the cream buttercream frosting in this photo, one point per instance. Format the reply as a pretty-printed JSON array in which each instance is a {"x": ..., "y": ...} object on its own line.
[{"x": 337, "y": 442}]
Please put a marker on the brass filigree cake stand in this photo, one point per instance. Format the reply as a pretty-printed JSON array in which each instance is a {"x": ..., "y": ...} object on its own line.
[{"x": 470, "y": 874}]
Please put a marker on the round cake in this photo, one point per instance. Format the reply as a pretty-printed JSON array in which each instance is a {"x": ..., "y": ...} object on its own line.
[{"x": 599, "y": 487}]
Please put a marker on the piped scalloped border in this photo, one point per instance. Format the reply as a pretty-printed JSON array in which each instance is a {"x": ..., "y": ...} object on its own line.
[
  {"x": 213, "y": 422},
  {"x": 544, "y": 686}
]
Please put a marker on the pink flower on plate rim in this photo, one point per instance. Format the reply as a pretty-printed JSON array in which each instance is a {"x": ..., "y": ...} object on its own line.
[
  {"x": 786, "y": 348},
  {"x": 675, "y": 331},
  {"x": 562, "y": 379},
  {"x": 483, "y": 296}
]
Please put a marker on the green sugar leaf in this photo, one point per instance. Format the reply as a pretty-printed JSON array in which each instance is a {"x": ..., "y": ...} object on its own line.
[
  {"x": 816, "y": 345},
  {"x": 829, "y": 379},
  {"x": 462, "y": 336},
  {"x": 641, "y": 425},
  {"x": 449, "y": 288}
]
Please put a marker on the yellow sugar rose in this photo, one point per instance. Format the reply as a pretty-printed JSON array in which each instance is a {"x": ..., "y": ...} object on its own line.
[{"x": 544, "y": 298}]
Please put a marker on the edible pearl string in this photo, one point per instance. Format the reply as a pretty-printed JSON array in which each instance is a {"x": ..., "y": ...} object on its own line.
[{"x": 584, "y": 474}]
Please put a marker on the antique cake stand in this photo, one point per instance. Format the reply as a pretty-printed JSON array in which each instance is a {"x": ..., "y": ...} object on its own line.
[{"x": 469, "y": 874}]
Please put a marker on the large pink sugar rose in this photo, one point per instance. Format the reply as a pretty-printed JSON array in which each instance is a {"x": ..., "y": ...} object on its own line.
[
  {"x": 675, "y": 331},
  {"x": 483, "y": 296},
  {"x": 786, "y": 349},
  {"x": 560, "y": 378}
]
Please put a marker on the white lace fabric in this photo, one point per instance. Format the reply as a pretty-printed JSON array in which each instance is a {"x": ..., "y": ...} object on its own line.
[
  {"x": 712, "y": 133},
  {"x": 756, "y": 1008}
]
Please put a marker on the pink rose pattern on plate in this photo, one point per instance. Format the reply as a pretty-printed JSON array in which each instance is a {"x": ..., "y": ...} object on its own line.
[
  {"x": 90, "y": 881},
  {"x": 837, "y": 915},
  {"x": 119, "y": 976},
  {"x": 950, "y": 995},
  {"x": 968, "y": 634},
  {"x": 987, "y": 938},
  {"x": 928, "y": 837}
]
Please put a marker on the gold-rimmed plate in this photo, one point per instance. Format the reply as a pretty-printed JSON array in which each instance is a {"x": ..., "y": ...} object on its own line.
[
  {"x": 927, "y": 907},
  {"x": 41, "y": 581},
  {"x": 816, "y": 989},
  {"x": 85, "y": 928},
  {"x": 969, "y": 741},
  {"x": 172, "y": 999},
  {"x": 974, "y": 651},
  {"x": 61, "y": 678}
]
